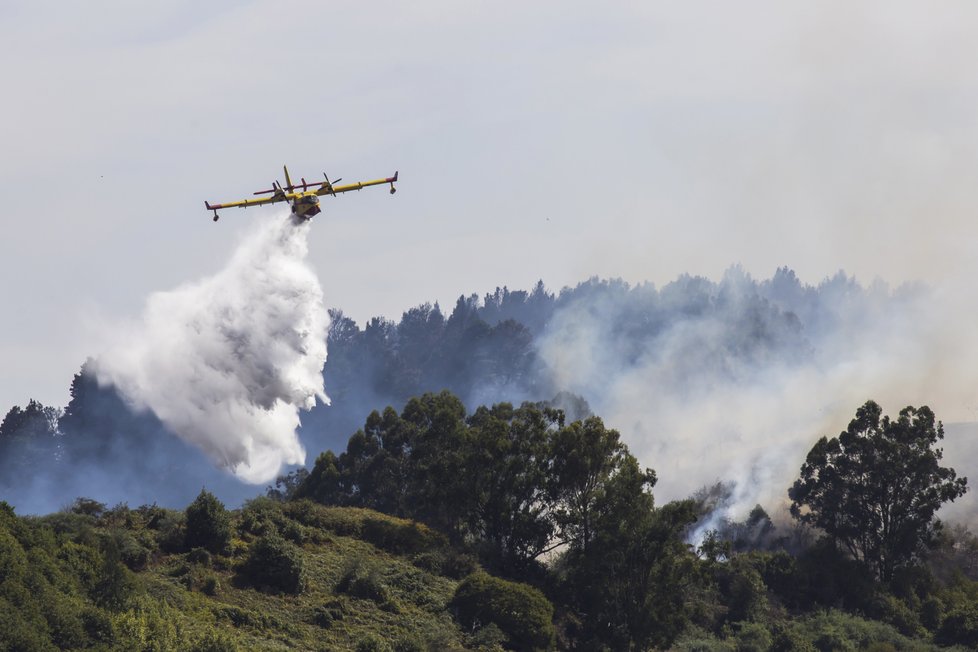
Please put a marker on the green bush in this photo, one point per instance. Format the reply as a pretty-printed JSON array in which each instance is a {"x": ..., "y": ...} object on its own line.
[
  {"x": 410, "y": 643},
  {"x": 523, "y": 613},
  {"x": 214, "y": 642},
  {"x": 87, "y": 507},
  {"x": 132, "y": 553},
  {"x": 261, "y": 516},
  {"x": 98, "y": 625},
  {"x": 171, "y": 531},
  {"x": 210, "y": 585},
  {"x": 362, "y": 579},
  {"x": 835, "y": 630},
  {"x": 396, "y": 535},
  {"x": 199, "y": 556},
  {"x": 960, "y": 627},
  {"x": 208, "y": 524},
  {"x": 832, "y": 640},
  {"x": 274, "y": 564},
  {"x": 744, "y": 590},
  {"x": 786, "y": 638},
  {"x": 372, "y": 643},
  {"x": 881, "y": 647},
  {"x": 115, "y": 583},
  {"x": 446, "y": 561},
  {"x": 329, "y": 613},
  {"x": 932, "y": 613},
  {"x": 753, "y": 637}
]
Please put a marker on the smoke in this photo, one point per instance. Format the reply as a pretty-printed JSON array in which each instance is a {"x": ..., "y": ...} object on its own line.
[
  {"x": 228, "y": 361},
  {"x": 734, "y": 381}
]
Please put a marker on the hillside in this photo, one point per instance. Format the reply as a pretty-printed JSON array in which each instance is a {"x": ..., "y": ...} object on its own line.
[
  {"x": 122, "y": 579},
  {"x": 504, "y": 528}
]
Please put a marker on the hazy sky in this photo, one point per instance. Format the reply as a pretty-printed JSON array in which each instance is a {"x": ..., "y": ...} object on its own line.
[{"x": 545, "y": 140}]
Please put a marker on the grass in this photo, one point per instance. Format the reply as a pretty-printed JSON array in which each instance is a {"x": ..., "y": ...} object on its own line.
[{"x": 196, "y": 595}]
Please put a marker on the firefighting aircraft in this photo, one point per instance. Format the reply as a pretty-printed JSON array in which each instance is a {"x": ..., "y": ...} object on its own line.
[{"x": 303, "y": 197}]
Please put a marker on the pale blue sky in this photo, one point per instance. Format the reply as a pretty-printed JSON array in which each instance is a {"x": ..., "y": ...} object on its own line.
[{"x": 549, "y": 140}]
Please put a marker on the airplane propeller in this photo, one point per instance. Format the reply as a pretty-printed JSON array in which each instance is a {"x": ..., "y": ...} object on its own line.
[{"x": 329, "y": 184}]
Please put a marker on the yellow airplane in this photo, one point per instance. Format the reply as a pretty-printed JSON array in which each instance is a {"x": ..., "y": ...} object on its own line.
[{"x": 304, "y": 202}]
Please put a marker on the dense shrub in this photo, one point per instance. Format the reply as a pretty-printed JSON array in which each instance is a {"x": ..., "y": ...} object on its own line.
[
  {"x": 786, "y": 638},
  {"x": 87, "y": 507},
  {"x": 835, "y": 630},
  {"x": 199, "y": 556},
  {"x": 396, "y": 535},
  {"x": 115, "y": 583},
  {"x": 752, "y": 637},
  {"x": 960, "y": 627},
  {"x": 274, "y": 564},
  {"x": 261, "y": 516},
  {"x": 208, "y": 524},
  {"x": 893, "y": 611},
  {"x": 362, "y": 579},
  {"x": 210, "y": 585},
  {"x": 371, "y": 643},
  {"x": 446, "y": 561},
  {"x": 132, "y": 553},
  {"x": 214, "y": 642},
  {"x": 743, "y": 589},
  {"x": 522, "y": 613}
]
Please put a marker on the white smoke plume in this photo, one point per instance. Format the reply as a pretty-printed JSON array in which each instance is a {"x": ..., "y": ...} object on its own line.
[
  {"x": 227, "y": 362},
  {"x": 739, "y": 392}
]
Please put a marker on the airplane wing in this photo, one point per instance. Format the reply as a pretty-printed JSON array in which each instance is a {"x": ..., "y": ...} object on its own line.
[
  {"x": 245, "y": 203},
  {"x": 325, "y": 189}
]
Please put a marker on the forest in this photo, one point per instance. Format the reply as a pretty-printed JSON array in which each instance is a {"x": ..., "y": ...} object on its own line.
[{"x": 466, "y": 493}]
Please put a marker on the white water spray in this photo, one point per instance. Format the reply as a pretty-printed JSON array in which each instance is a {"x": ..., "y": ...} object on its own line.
[{"x": 228, "y": 361}]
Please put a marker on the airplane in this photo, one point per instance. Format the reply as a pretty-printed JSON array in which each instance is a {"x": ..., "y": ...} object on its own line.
[{"x": 304, "y": 202}]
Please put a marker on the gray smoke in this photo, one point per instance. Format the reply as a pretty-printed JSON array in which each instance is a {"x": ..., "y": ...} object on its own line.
[
  {"x": 228, "y": 361},
  {"x": 741, "y": 377}
]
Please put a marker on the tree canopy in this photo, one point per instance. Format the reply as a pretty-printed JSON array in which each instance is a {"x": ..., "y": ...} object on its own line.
[
  {"x": 875, "y": 488},
  {"x": 517, "y": 483}
]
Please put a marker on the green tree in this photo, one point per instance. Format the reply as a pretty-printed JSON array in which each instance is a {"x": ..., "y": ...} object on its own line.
[
  {"x": 585, "y": 456},
  {"x": 513, "y": 509},
  {"x": 29, "y": 437},
  {"x": 208, "y": 524},
  {"x": 628, "y": 583},
  {"x": 875, "y": 488}
]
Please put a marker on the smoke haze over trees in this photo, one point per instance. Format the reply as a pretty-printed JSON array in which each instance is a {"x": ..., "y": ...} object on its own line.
[{"x": 727, "y": 380}]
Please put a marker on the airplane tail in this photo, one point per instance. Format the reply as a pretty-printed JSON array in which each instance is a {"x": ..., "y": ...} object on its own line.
[{"x": 288, "y": 180}]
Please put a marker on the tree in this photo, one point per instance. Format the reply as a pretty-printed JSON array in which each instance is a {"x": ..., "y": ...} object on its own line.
[
  {"x": 874, "y": 489},
  {"x": 628, "y": 580},
  {"x": 29, "y": 437},
  {"x": 508, "y": 463},
  {"x": 208, "y": 524},
  {"x": 585, "y": 456}
]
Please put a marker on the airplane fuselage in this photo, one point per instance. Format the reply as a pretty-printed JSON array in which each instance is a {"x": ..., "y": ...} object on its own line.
[{"x": 306, "y": 204}]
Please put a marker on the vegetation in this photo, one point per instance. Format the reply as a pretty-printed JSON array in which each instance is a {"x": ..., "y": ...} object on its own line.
[
  {"x": 876, "y": 487},
  {"x": 506, "y": 528},
  {"x": 63, "y": 585},
  {"x": 519, "y": 527},
  {"x": 208, "y": 525},
  {"x": 522, "y": 613}
]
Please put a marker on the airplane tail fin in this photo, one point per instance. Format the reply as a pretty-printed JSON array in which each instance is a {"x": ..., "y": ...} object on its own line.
[{"x": 288, "y": 180}]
